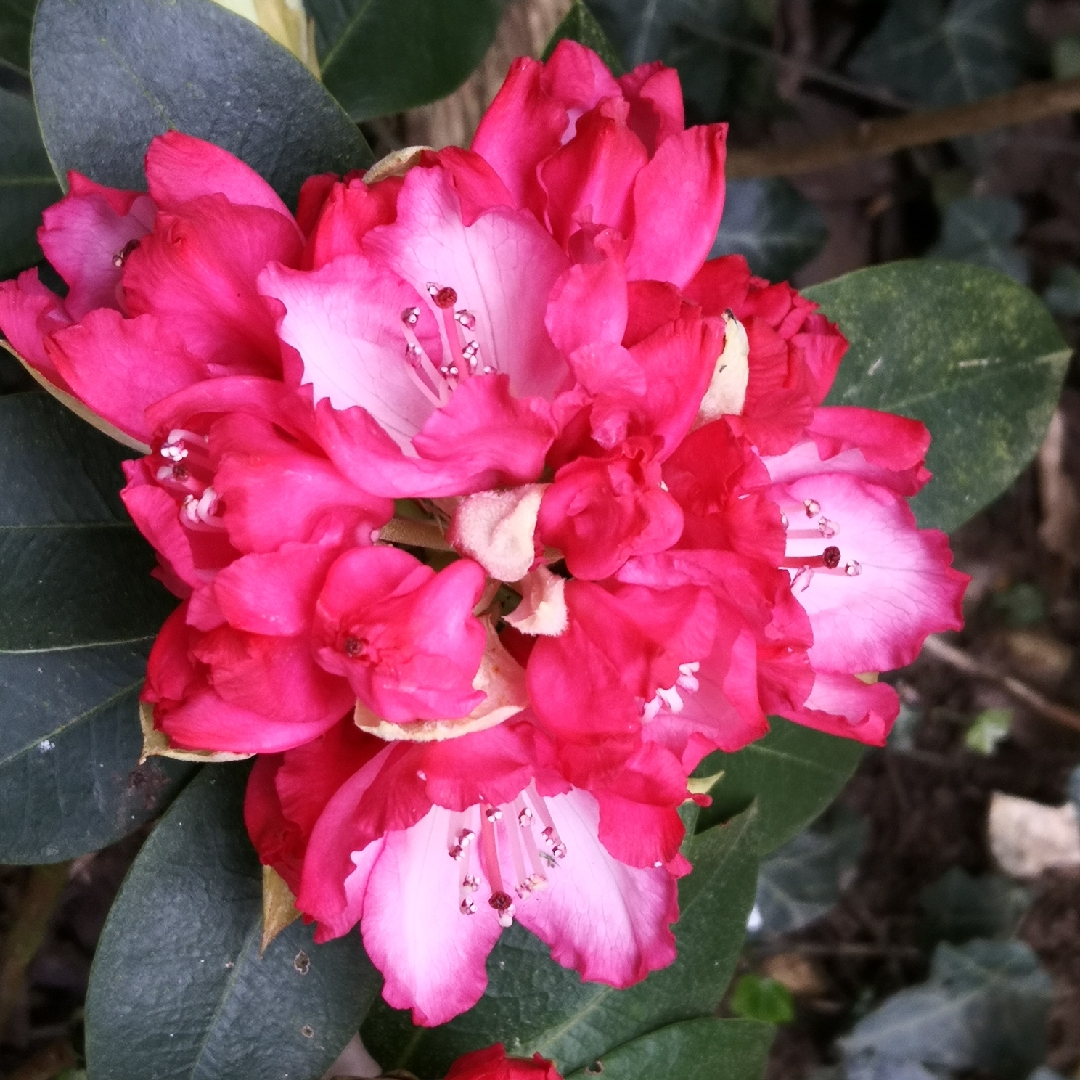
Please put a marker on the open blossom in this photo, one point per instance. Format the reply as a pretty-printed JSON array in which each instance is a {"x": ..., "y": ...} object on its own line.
[{"x": 626, "y": 528}]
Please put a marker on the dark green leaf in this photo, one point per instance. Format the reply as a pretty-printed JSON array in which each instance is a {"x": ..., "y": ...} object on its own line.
[
  {"x": 78, "y": 612},
  {"x": 110, "y": 75},
  {"x": 1062, "y": 295},
  {"x": 755, "y": 998},
  {"x": 178, "y": 988},
  {"x": 938, "y": 53},
  {"x": 984, "y": 1006},
  {"x": 70, "y": 778},
  {"x": 383, "y": 56},
  {"x": 714, "y": 44},
  {"x": 794, "y": 773},
  {"x": 973, "y": 355},
  {"x": 580, "y": 25},
  {"x": 533, "y": 1005},
  {"x": 27, "y": 184},
  {"x": 701, "y": 1049},
  {"x": 803, "y": 879},
  {"x": 980, "y": 229},
  {"x": 74, "y": 571},
  {"x": 958, "y": 907},
  {"x": 771, "y": 225},
  {"x": 16, "y": 19}
]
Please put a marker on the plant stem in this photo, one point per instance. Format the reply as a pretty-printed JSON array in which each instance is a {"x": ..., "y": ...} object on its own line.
[
  {"x": 31, "y": 925},
  {"x": 874, "y": 138}
]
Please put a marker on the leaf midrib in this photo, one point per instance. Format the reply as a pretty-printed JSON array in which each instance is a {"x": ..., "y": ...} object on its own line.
[
  {"x": 350, "y": 27},
  {"x": 99, "y": 707}
]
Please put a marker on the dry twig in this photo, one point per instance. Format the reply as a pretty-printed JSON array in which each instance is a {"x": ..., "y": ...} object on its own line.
[
  {"x": 873, "y": 138},
  {"x": 1060, "y": 714}
]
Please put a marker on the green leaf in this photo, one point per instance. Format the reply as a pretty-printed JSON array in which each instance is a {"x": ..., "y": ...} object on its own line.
[
  {"x": 938, "y": 53},
  {"x": 580, "y": 25},
  {"x": 980, "y": 229},
  {"x": 755, "y": 998},
  {"x": 793, "y": 773},
  {"x": 984, "y": 1006},
  {"x": 991, "y": 726},
  {"x": 178, "y": 988},
  {"x": 714, "y": 44},
  {"x": 771, "y": 225},
  {"x": 16, "y": 20},
  {"x": 78, "y": 612},
  {"x": 112, "y": 74},
  {"x": 701, "y": 1049},
  {"x": 802, "y": 880},
  {"x": 74, "y": 571},
  {"x": 383, "y": 56},
  {"x": 534, "y": 1005},
  {"x": 958, "y": 907},
  {"x": 70, "y": 778},
  {"x": 974, "y": 356},
  {"x": 27, "y": 184},
  {"x": 1062, "y": 295}
]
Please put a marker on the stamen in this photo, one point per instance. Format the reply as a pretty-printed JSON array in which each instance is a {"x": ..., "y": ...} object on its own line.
[
  {"x": 410, "y": 316},
  {"x": 513, "y": 838},
  {"x": 812, "y": 507},
  {"x": 825, "y": 530},
  {"x": 828, "y": 559},
  {"x": 459, "y": 837},
  {"x": 538, "y": 880},
  {"x": 466, "y": 318},
  {"x": 558, "y": 848},
  {"x": 121, "y": 256},
  {"x": 467, "y": 886}
]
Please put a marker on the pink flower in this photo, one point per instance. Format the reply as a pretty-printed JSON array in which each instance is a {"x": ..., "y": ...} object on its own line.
[
  {"x": 434, "y": 847},
  {"x": 161, "y": 286},
  {"x": 627, "y": 530}
]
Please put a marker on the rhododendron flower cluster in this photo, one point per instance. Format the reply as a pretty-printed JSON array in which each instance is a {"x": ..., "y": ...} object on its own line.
[{"x": 493, "y": 505}]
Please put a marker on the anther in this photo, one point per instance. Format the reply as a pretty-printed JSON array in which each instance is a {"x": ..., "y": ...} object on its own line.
[
  {"x": 827, "y": 528},
  {"x": 492, "y": 813},
  {"x": 121, "y": 256},
  {"x": 410, "y": 316},
  {"x": 468, "y": 906},
  {"x": 525, "y": 817},
  {"x": 852, "y": 569},
  {"x": 470, "y": 882},
  {"x": 466, "y": 319},
  {"x": 558, "y": 849},
  {"x": 812, "y": 507}
]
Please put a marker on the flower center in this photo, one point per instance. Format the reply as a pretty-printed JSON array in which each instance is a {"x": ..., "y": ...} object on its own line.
[
  {"x": 187, "y": 473},
  {"x": 460, "y": 350},
  {"x": 670, "y": 700},
  {"x": 830, "y": 560},
  {"x": 482, "y": 837}
]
